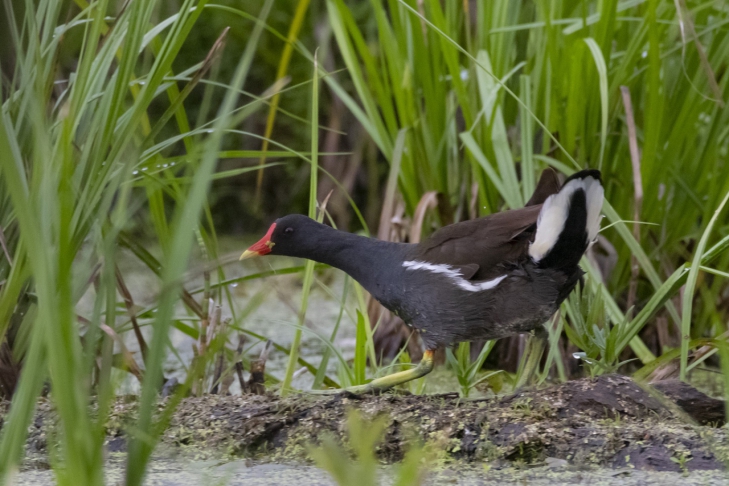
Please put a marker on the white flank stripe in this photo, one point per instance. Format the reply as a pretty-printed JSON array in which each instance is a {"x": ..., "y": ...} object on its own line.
[
  {"x": 556, "y": 209},
  {"x": 595, "y": 193},
  {"x": 454, "y": 275}
]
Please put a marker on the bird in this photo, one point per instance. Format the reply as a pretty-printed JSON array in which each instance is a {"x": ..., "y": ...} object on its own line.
[{"x": 480, "y": 279}]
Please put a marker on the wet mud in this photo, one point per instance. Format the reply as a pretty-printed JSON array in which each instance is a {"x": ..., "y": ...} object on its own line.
[{"x": 609, "y": 422}]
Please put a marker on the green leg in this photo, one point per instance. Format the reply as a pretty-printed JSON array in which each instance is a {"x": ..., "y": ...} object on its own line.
[
  {"x": 533, "y": 352},
  {"x": 386, "y": 382}
]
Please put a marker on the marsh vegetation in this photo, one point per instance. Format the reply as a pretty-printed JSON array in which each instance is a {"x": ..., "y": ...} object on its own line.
[{"x": 144, "y": 145}]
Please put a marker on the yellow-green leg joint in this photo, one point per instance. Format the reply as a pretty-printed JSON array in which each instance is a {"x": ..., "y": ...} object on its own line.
[{"x": 386, "y": 382}]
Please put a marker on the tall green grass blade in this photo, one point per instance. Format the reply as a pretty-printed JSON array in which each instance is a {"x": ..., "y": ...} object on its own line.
[
  {"x": 688, "y": 293},
  {"x": 505, "y": 192},
  {"x": 489, "y": 86},
  {"x": 360, "y": 351},
  {"x": 294, "y": 29},
  {"x": 326, "y": 355},
  {"x": 602, "y": 76},
  {"x": 724, "y": 357},
  {"x": 140, "y": 448},
  {"x": 527, "y": 139},
  {"x": 309, "y": 272},
  {"x": 666, "y": 291}
]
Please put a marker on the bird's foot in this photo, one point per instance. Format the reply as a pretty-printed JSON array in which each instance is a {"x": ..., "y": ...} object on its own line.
[{"x": 385, "y": 383}]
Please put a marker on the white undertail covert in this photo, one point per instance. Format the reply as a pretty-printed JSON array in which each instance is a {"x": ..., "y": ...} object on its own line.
[{"x": 556, "y": 209}]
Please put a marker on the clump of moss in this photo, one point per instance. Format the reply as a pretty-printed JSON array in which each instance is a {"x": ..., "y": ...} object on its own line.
[{"x": 609, "y": 421}]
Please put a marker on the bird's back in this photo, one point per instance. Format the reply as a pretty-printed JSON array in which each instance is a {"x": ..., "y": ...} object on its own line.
[
  {"x": 488, "y": 242},
  {"x": 499, "y": 275}
]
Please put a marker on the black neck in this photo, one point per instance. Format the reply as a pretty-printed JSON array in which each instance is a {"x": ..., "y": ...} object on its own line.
[{"x": 361, "y": 257}]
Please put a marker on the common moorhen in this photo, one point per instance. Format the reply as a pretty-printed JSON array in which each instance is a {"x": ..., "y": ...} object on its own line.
[{"x": 485, "y": 278}]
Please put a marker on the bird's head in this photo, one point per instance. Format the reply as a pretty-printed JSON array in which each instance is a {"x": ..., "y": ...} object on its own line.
[{"x": 290, "y": 235}]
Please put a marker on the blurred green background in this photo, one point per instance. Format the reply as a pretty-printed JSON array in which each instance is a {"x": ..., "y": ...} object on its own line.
[{"x": 150, "y": 133}]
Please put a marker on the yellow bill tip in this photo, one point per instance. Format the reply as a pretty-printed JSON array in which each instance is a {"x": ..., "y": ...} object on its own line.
[{"x": 248, "y": 254}]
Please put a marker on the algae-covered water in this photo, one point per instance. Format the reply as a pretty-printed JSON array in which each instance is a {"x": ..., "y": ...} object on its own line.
[
  {"x": 275, "y": 317},
  {"x": 269, "y": 307},
  {"x": 176, "y": 471}
]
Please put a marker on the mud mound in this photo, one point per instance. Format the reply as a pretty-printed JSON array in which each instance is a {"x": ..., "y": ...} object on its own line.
[{"x": 609, "y": 421}]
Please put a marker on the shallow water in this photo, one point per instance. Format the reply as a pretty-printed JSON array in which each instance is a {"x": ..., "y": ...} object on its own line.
[
  {"x": 275, "y": 319},
  {"x": 176, "y": 471}
]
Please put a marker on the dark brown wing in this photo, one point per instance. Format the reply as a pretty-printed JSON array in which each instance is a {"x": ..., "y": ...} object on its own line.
[
  {"x": 487, "y": 242},
  {"x": 478, "y": 246},
  {"x": 548, "y": 184}
]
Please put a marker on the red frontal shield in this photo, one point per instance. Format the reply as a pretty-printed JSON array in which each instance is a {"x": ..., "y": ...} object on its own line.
[{"x": 262, "y": 247}]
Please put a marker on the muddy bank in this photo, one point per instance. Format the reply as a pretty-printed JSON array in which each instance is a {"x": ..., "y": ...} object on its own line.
[
  {"x": 609, "y": 422},
  {"x": 183, "y": 471}
]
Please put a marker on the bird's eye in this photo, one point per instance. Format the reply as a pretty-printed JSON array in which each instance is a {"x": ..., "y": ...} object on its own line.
[{"x": 288, "y": 231}]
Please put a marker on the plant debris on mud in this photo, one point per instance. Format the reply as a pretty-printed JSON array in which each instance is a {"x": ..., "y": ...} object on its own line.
[{"x": 608, "y": 421}]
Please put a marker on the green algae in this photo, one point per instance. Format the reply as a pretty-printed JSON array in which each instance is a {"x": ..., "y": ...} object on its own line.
[{"x": 606, "y": 422}]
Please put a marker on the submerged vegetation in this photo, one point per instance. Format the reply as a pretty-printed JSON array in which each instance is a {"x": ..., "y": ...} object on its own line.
[{"x": 143, "y": 130}]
